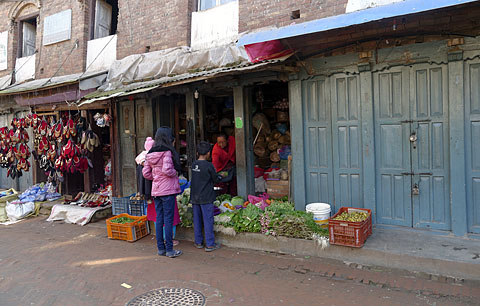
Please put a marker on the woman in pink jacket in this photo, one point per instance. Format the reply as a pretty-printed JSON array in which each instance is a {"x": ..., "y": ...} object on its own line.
[{"x": 161, "y": 166}]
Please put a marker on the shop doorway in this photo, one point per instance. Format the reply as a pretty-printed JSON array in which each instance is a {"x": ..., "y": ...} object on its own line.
[
  {"x": 215, "y": 125},
  {"x": 271, "y": 140}
]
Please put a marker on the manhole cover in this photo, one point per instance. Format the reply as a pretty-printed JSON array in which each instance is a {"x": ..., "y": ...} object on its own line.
[{"x": 169, "y": 297}]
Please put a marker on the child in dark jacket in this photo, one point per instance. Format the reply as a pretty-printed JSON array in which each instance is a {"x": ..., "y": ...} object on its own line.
[{"x": 202, "y": 196}]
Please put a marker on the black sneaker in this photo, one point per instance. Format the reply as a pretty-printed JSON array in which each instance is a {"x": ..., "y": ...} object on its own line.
[
  {"x": 198, "y": 246},
  {"x": 212, "y": 248},
  {"x": 174, "y": 253}
]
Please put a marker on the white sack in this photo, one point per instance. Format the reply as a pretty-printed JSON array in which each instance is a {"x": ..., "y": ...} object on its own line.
[{"x": 19, "y": 211}]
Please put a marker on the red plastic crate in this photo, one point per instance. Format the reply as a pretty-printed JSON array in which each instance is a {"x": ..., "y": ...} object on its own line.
[{"x": 348, "y": 233}]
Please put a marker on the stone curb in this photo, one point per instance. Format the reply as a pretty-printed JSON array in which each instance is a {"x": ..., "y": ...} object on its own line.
[{"x": 427, "y": 268}]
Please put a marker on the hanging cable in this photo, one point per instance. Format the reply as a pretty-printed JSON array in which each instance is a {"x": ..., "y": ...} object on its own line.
[
  {"x": 75, "y": 46},
  {"x": 96, "y": 57},
  {"x": 17, "y": 70}
]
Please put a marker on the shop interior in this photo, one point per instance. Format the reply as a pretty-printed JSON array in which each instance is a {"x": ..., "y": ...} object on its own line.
[
  {"x": 271, "y": 139},
  {"x": 270, "y": 135}
]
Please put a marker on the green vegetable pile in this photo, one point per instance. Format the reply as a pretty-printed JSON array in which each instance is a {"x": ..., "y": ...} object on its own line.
[
  {"x": 247, "y": 219},
  {"x": 356, "y": 216},
  {"x": 185, "y": 210},
  {"x": 224, "y": 197},
  {"x": 123, "y": 220},
  {"x": 278, "y": 219},
  {"x": 281, "y": 219}
]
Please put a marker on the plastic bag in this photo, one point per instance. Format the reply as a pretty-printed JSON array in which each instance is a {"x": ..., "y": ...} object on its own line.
[
  {"x": 284, "y": 152},
  {"x": 19, "y": 211}
]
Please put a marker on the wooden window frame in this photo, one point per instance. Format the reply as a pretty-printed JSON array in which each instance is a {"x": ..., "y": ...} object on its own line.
[
  {"x": 217, "y": 3},
  {"x": 91, "y": 25},
  {"x": 20, "y": 22}
]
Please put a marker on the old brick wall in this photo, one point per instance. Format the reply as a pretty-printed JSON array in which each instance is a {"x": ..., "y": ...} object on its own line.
[
  {"x": 52, "y": 56},
  {"x": 49, "y": 58},
  {"x": 255, "y": 14},
  {"x": 158, "y": 24},
  {"x": 5, "y": 26}
]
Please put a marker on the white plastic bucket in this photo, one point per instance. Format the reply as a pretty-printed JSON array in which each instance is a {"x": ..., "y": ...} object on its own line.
[{"x": 321, "y": 213}]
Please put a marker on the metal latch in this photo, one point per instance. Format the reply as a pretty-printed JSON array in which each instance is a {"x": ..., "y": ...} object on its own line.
[
  {"x": 413, "y": 140},
  {"x": 415, "y": 189}
]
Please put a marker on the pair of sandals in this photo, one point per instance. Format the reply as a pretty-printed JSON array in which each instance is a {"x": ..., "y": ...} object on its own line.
[
  {"x": 90, "y": 140},
  {"x": 21, "y": 152},
  {"x": 13, "y": 172},
  {"x": 19, "y": 135},
  {"x": 23, "y": 164},
  {"x": 85, "y": 199}
]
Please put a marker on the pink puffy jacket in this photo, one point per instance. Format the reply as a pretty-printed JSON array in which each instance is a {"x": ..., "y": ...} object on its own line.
[{"x": 159, "y": 169}]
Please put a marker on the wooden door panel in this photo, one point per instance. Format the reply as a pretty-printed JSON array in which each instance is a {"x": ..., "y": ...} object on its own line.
[{"x": 127, "y": 147}]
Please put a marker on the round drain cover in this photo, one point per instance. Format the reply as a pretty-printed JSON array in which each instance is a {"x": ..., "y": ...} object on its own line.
[{"x": 169, "y": 297}]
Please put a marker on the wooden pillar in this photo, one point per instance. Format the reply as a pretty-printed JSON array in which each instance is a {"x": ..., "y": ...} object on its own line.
[
  {"x": 201, "y": 116},
  {"x": 115, "y": 147},
  {"x": 243, "y": 140},
  {"x": 191, "y": 110},
  {"x": 87, "y": 173},
  {"x": 176, "y": 120},
  {"x": 457, "y": 143},
  {"x": 368, "y": 135},
  {"x": 298, "y": 155}
]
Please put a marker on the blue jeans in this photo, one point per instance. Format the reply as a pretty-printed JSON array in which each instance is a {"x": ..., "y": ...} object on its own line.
[
  {"x": 164, "y": 207},
  {"x": 203, "y": 219}
]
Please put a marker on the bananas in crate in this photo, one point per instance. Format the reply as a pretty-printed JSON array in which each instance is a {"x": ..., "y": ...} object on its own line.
[{"x": 356, "y": 216}]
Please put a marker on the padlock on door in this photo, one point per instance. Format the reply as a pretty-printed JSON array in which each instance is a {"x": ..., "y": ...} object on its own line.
[
  {"x": 413, "y": 140},
  {"x": 415, "y": 189}
]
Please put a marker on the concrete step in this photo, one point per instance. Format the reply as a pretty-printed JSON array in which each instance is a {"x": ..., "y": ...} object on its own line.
[{"x": 440, "y": 256}]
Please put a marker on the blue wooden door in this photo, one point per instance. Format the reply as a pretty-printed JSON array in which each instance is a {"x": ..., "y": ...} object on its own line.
[
  {"x": 347, "y": 141},
  {"x": 318, "y": 153},
  {"x": 392, "y": 147},
  {"x": 430, "y": 152},
  {"x": 412, "y": 147},
  {"x": 472, "y": 141}
]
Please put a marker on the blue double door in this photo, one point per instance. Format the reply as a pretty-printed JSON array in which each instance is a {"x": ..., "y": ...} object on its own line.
[
  {"x": 410, "y": 121},
  {"x": 412, "y": 146}
]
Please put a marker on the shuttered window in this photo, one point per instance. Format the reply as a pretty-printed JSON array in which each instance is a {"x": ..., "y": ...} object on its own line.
[
  {"x": 206, "y": 4},
  {"x": 29, "y": 32},
  {"x": 103, "y": 19}
]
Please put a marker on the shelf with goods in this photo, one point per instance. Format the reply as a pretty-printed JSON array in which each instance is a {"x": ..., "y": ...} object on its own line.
[{"x": 272, "y": 143}]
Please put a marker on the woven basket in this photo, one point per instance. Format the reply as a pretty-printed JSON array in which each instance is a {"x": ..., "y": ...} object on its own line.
[{"x": 274, "y": 157}]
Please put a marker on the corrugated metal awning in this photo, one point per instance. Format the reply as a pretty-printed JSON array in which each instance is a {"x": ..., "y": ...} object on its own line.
[
  {"x": 341, "y": 21},
  {"x": 139, "y": 87},
  {"x": 98, "y": 96},
  {"x": 41, "y": 84}
]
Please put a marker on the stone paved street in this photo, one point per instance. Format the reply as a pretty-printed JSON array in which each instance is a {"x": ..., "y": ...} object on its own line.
[{"x": 61, "y": 264}]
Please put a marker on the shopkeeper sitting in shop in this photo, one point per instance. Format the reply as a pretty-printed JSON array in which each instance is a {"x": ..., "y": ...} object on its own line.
[{"x": 223, "y": 159}]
